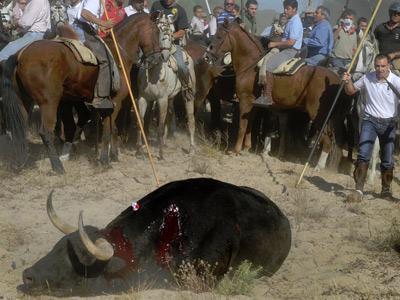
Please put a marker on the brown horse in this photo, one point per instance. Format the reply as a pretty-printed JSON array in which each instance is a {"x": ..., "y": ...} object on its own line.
[
  {"x": 46, "y": 72},
  {"x": 311, "y": 89}
]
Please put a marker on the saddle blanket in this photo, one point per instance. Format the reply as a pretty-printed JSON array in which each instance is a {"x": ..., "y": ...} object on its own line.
[
  {"x": 81, "y": 52},
  {"x": 289, "y": 67}
]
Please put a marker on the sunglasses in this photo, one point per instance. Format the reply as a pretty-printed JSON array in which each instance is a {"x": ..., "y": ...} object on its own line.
[
  {"x": 229, "y": 4},
  {"x": 394, "y": 13}
]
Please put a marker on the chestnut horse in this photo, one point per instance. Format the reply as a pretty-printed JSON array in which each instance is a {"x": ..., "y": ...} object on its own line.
[
  {"x": 46, "y": 72},
  {"x": 311, "y": 89}
]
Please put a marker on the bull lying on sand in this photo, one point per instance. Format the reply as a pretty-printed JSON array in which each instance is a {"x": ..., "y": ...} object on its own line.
[{"x": 189, "y": 220}]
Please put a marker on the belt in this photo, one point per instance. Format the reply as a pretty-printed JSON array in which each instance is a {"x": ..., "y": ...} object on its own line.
[{"x": 379, "y": 120}]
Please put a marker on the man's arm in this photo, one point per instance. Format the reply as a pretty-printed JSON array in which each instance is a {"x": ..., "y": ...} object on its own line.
[
  {"x": 283, "y": 44},
  {"x": 90, "y": 17},
  {"x": 349, "y": 87},
  {"x": 30, "y": 15},
  {"x": 179, "y": 34}
]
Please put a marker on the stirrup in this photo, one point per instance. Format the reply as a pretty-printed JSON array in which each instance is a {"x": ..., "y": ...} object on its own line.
[{"x": 263, "y": 101}]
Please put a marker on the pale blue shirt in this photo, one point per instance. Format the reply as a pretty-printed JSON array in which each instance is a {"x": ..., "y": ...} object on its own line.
[{"x": 294, "y": 31}]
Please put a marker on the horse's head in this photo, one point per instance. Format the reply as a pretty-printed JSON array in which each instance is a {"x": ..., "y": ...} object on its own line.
[
  {"x": 149, "y": 40},
  {"x": 221, "y": 43},
  {"x": 167, "y": 29}
]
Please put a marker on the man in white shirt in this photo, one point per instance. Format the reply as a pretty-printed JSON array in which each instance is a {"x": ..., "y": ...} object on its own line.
[
  {"x": 379, "y": 120},
  {"x": 34, "y": 22},
  {"x": 74, "y": 10},
  {"x": 90, "y": 19}
]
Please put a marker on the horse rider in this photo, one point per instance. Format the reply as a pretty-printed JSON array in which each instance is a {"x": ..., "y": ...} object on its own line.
[
  {"x": 181, "y": 23},
  {"x": 249, "y": 19},
  {"x": 227, "y": 13},
  {"x": 33, "y": 23},
  {"x": 388, "y": 35},
  {"x": 290, "y": 45},
  {"x": 320, "y": 40},
  {"x": 275, "y": 31},
  {"x": 89, "y": 20},
  {"x": 382, "y": 96}
]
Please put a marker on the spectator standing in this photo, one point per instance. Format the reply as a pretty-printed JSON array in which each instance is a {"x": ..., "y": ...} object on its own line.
[
  {"x": 228, "y": 12},
  {"x": 345, "y": 41},
  {"x": 250, "y": 22},
  {"x": 198, "y": 23},
  {"x": 388, "y": 35},
  {"x": 320, "y": 41},
  {"x": 115, "y": 12}
]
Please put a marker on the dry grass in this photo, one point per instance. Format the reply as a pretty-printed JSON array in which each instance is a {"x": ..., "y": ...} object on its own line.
[
  {"x": 200, "y": 166},
  {"x": 210, "y": 148},
  {"x": 386, "y": 240},
  {"x": 199, "y": 277}
]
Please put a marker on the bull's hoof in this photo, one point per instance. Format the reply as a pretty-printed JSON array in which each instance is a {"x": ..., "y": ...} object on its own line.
[{"x": 355, "y": 196}]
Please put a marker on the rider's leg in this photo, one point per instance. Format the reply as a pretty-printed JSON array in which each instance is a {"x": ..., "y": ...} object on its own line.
[
  {"x": 103, "y": 85},
  {"x": 14, "y": 46},
  {"x": 183, "y": 69}
]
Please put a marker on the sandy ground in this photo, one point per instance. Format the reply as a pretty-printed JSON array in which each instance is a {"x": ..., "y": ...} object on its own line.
[{"x": 338, "y": 251}]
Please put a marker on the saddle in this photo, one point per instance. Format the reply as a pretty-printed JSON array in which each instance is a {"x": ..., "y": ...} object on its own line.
[
  {"x": 82, "y": 54},
  {"x": 289, "y": 67}
]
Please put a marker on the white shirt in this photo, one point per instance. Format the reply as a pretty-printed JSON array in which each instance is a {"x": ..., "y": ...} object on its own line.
[
  {"x": 36, "y": 16},
  {"x": 381, "y": 101},
  {"x": 129, "y": 10},
  {"x": 213, "y": 25},
  {"x": 74, "y": 12},
  {"x": 94, "y": 7},
  {"x": 198, "y": 25}
]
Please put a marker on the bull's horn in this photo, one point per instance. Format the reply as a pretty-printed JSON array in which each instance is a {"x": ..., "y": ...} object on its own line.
[
  {"x": 101, "y": 249},
  {"x": 57, "y": 222}
]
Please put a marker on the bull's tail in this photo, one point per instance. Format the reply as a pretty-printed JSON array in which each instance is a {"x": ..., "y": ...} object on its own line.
[{"x": 15, "y": 121}]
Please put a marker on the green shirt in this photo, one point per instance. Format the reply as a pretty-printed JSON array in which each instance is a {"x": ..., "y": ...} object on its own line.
[{"x": 250, "y": 24}]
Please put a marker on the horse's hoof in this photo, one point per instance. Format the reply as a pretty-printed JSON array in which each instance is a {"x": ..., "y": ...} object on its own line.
[
  {"x": 59, "y": 170},
  {"x": 104, "y": 160},
  {"x": 114, "y": 157}
]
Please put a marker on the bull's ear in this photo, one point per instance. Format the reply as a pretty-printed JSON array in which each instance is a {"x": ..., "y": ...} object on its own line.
[{"x": 155, "y": 15}]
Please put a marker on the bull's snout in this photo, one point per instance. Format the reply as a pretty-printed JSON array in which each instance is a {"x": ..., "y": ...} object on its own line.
[{"x": 28, "y": 277}]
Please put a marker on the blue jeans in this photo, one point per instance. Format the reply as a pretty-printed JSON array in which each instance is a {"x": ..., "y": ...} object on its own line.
[
  {"x": 14, "y": 46},
  {"x": 385, "y": 130},
  {"x": 315, "y": 60},
  {"x": 183, "y": 70}
]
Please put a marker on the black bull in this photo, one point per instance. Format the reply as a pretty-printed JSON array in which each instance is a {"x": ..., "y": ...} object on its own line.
[{"x": 189, "y": 220}]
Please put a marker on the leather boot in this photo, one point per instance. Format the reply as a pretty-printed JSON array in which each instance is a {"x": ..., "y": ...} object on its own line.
[
  {"x": 387, "y": 177},
  {"x": 359, "y": 175},
  {"x": 265, "y": 99}
]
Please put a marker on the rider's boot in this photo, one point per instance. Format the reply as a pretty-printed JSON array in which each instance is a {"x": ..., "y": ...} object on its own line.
[
  {"x": 265, "y": 99},
  {"x": 360, "y": 174}
]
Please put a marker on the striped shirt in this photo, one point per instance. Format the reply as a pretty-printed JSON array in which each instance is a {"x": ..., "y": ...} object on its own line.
[{"x": 225, "y": 15}]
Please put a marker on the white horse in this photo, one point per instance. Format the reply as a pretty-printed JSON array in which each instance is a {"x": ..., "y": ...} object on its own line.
[{"x": 160, "y": 83}]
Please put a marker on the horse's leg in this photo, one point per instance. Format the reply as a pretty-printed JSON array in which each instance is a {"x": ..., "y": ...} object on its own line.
[
  {"x": 142, "y": 106},
  {"x": 162, "y": 114},
  {"x": 105, "y": 141},
  {"x": 49, "y": 115},
  {"x": 189, "y": 106},
  {"x": 283, "y": 122},
  {"x": 245, "y": 105},
  {"x": 114, "y": 132},
  {"x": 68, "y": 121}
]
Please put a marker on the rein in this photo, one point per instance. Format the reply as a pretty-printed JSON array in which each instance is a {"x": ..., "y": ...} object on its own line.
[{"x": 262, "y": 52}]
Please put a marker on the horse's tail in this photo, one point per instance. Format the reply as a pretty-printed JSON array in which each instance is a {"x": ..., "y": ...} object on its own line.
[{"x": 14, "y": 118}]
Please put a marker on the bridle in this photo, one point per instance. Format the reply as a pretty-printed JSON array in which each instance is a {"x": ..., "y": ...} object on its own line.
[{"x": 215, "y": 58}]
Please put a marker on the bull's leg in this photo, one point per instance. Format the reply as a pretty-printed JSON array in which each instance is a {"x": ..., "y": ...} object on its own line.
[
  {"x": 245, "y": 105},
  {"x": 162, "y": 115},
  {"x": 142, "y": 111},
  {"x": 49, "y": 115}
]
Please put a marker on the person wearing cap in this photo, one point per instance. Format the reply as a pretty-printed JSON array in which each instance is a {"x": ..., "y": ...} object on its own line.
[
  {"x": 320, "y": 40},
  {"x": 379, "y": 120},
  {"x": 388, "y": 35}
]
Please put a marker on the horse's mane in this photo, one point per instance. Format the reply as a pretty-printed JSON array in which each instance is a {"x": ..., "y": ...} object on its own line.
[
  {"x": 251, "y": 37},
  {"x": 129, "y": 19}
]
